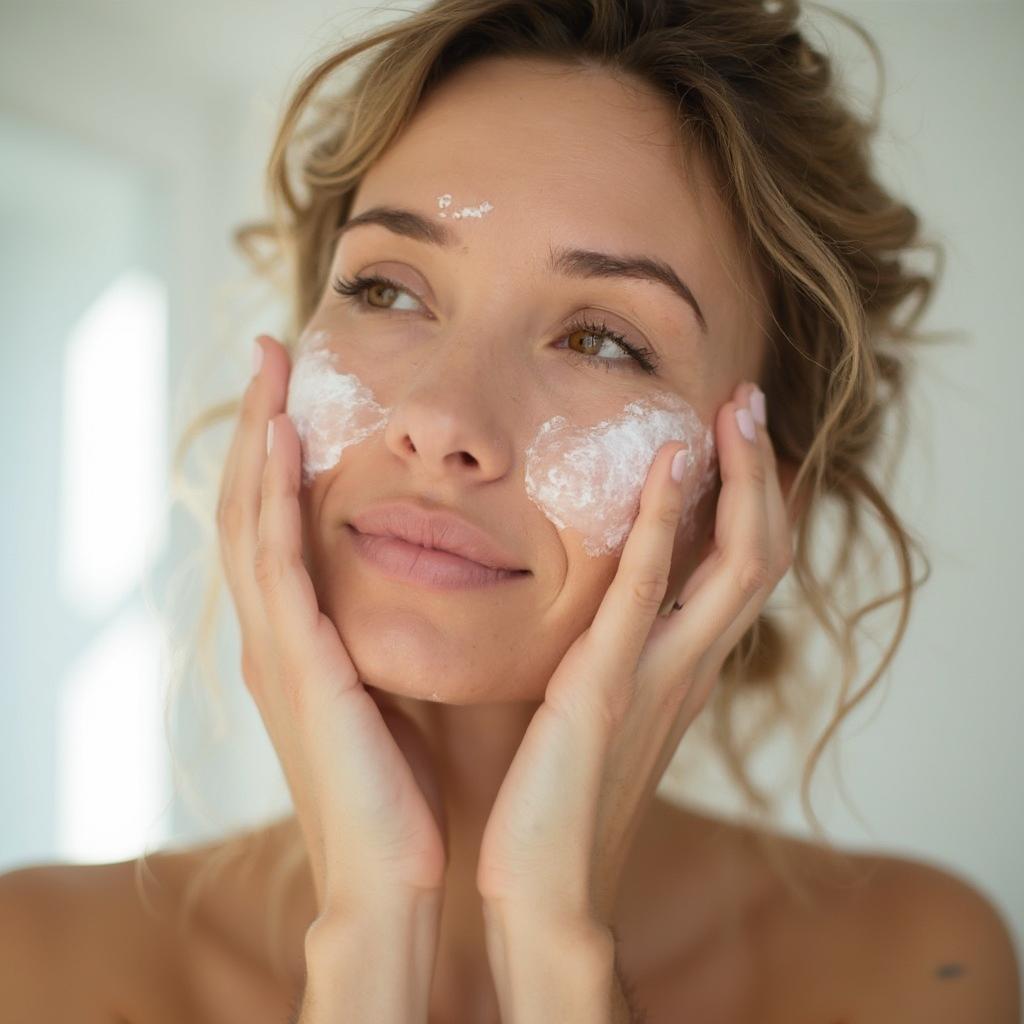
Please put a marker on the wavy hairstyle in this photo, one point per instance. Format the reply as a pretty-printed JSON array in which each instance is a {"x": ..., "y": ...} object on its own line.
[{"x": 792, "y": 161}]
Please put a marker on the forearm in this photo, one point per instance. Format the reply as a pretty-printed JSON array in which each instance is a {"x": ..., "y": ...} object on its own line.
[
  {"x": 372, "y": 969},
  {"x": 551, "y": 972}
]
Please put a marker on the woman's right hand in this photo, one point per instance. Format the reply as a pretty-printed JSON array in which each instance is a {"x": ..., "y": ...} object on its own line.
[{"x": 374, "y": 827}]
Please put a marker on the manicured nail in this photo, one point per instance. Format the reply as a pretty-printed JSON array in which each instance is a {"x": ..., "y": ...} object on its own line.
[
  {"x": 757, "y": 406},
  {"x": 746, "y": 423},
  {"x": 678, "y": 464},
  {"x": 270, "y": 436},
  {"x": 257, "y": 357}
]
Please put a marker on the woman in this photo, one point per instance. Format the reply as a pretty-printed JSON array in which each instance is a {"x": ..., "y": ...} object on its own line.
[{"x": 591, "y": 305}]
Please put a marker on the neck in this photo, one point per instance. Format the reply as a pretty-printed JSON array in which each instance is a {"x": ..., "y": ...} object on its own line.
[{"x": 471, "y": 748}]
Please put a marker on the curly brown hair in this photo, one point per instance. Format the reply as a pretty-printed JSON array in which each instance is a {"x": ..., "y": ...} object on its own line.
[{"x": 792, "y": 160}]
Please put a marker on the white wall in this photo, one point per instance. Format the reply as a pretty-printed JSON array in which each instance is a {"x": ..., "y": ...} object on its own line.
[{"x": 162, "y": 122}]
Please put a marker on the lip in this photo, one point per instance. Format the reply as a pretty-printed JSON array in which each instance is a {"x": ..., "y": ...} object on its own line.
[
  {"x": 430, "y": 545},
  {"x": 440, "y": 570}
]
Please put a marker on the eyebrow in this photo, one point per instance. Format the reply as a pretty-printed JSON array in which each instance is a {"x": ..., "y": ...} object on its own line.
[{"x": 577, "y": 263}]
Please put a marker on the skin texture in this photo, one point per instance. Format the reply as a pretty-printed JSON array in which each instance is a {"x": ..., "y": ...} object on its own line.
[{"x": 565, "y": 158}]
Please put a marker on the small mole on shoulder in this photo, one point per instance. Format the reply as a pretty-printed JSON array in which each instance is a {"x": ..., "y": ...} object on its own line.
[{"x": 949, "y": 970}]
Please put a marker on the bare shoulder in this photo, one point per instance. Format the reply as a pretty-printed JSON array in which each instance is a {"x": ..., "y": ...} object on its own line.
[
  {"x": 56, "y": 960},
  {"x": 943, "y": 949},
  {"x": 101, "y": 943},
  {"x": 892, "y": 939},
  {"x": 782, "y": 928}
]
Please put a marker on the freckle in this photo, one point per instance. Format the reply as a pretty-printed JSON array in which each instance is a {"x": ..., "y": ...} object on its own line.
[{"x": 949, "y": 970}]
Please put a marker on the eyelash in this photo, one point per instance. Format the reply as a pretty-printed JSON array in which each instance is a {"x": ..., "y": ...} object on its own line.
[{"x": 354, "y": 290}]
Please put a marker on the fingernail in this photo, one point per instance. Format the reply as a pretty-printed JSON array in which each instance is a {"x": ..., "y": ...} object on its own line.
[
  {"x": 746, "y": 423},
  {"x": 270, "y": 436},
  {"x": 678, "y": 464},
  {"x": 757, "y": 406},
  {"x": 257, "y": 357}
]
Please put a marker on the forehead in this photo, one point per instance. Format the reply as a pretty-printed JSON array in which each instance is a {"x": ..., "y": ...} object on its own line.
[
  {"x": 556, "y": 141},
  {"x": 565, "y": 156}
]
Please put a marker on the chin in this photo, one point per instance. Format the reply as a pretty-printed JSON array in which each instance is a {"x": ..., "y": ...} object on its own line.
[
  {"x": 422, "y": 654},
  {"x": 403, "y": 666},
  {"x": 432, "y": 691},
  {"x": 412, "y": 660}
]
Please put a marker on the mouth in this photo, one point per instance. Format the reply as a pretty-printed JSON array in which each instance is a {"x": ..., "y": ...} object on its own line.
[
  {"x": 435, "y": 568},
  {"x": 434, "y": 528}
]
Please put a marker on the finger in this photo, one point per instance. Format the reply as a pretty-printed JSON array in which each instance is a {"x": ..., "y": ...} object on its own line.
[
  {"x": 737, "y": 574},
  {"x": 238, "y": 510},
  {"x": 630, "y": 605},
  {"x": 305, "y": 639},
  {"x": 776, "y": 536},
  {"x": 228, "y": 470}
]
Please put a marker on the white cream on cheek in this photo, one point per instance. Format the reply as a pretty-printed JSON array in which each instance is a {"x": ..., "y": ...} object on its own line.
[
  {"x": 590, "y": 478},
  {"x": 331, "y": 410},
  {"x": 587, "y": 478}
]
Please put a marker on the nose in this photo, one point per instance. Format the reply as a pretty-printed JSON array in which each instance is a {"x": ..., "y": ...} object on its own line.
[{"x": 448, "y": 421}]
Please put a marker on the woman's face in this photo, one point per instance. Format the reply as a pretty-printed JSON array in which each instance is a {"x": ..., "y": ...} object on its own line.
[{"x": 485, "y": 383}]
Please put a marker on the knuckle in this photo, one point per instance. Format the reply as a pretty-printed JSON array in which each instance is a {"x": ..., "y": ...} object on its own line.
[
  {"x": 754, "y": 574},
  {"x": 670, "y": 515},
  {"x": 613, "y": 711},
  {"x": 649, "y": 589},
  {"x": 268, "y": 566},
  {"x": 758, "y": 472}
]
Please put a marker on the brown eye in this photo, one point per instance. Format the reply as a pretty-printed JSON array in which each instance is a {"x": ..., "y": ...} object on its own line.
[
  {"x": 378, "y": 290},
  {"x": 359, "y": 288},
  {"x": 591, "y": 341},
  {"x": 594, "y": 336}
]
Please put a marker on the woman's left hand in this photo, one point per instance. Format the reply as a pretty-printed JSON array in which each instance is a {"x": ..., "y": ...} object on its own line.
[{"x": 628, "y": 688}]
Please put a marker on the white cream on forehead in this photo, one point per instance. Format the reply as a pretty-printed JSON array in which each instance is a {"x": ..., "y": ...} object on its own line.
[
  {"x": 443, "y": 202},
  {"x": 587, "y": 478},
  {"x": 590, "y": 478}
]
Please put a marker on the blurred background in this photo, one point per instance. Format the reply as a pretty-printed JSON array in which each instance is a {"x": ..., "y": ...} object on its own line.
[{"x": 133, "y": 139}]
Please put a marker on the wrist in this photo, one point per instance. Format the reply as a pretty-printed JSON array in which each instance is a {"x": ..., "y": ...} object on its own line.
[
  {"x": 376, "y": 908},
  {"x": 549, "y": 927},
  {"x": 547, "y": 967},
  {"x": 373, "y": 965}
]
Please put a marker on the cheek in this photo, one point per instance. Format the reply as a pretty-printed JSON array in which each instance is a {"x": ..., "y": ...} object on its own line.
[
  {"x": 331, "y": 411},
  {"x": 589, "y": 478}
]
